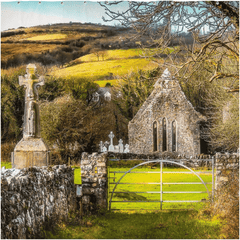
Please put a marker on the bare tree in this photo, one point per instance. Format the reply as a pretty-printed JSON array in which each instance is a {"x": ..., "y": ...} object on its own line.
[
  {"x": 214, "y": 26},
  {"x": 96, "y": 52}
]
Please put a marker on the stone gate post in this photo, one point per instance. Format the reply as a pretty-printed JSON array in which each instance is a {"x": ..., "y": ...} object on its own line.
[{"x": 94, "y": 182}]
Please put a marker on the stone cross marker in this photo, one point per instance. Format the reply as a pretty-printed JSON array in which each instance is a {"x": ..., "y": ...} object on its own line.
[
  {"x": 31, "y": 127},
  {"x": 31, "y": 150},
  {"x": 111, "y": 147}
]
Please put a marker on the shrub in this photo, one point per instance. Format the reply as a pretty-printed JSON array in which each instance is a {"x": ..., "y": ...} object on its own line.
[
  {"x": 226, "y": 205},
  {"x": 6, "y": 150}
]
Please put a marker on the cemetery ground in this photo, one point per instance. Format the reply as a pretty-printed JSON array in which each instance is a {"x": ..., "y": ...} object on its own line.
[{"x": 175, "y": 221}]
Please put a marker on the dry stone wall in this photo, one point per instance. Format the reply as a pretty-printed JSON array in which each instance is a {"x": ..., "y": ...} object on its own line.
[
  {"x": 34, "y": 197},
  {"x": 94, "y": 182},
  {"x": 225, "y": 163}
]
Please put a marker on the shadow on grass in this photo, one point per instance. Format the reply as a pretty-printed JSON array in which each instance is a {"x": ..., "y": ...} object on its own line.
[
  {"x": 130, "y": 196},
  {"x": 155, "y": 225}
]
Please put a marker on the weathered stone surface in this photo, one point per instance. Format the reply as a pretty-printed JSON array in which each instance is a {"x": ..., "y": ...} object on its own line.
[
  {"x": 166, "y": 103},
  {"x": 31, "y": 150},
  {"x": 32, "y": 195},
  {"x": 225, "y": 163},
  {"x": 94, "y": 181}
]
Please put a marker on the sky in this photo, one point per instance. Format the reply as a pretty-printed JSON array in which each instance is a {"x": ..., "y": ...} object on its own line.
[{"x": 16, "y": 14}]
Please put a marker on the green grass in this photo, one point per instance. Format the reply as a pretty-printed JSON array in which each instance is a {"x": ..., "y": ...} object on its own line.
[
  {"x": 145, "y": 178},
  {"x": 48, "y": 37},
  {"x": 77, "y": 175},
  {"x": 112, "y": 54},
  {"x": 154, "y": 225},
  {"x": 101, "y": 70},
  {"x": 104, "y": 82},
  {"x": 6, "y": 164}
]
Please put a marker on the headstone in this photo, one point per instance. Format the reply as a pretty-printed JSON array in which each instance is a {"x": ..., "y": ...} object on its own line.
[
  {"x": 31, "y": 150},
  {"x": 107, "y": 96},
  {"x": 104, "y": 149},
  {"x": 120, "y": 146},
  {"x": 95, "y": 97},
  {"x": 101, "y": 146},
  {"x": 126, "y": 150},
  {"x": 111, "y": 147},
  {"x": 116, "y": 149}
]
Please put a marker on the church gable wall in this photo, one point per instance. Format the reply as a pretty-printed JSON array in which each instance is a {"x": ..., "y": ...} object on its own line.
[{"x": 169, "y": 103}]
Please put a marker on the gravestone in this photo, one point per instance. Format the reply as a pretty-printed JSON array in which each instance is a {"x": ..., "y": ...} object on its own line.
[
  {"x": 111, "y": 147},
  {"x": 120, "y": 146},
  {"x": 101, "y": 146},
  {"x": 31, "y": 150},
  {"x": 104, "y": 149},
  {"x": 126, "y": 150}
]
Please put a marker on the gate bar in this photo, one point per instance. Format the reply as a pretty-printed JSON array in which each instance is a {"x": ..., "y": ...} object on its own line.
[
  {"x": 165, "y": 183},
  {"x": 161, "y": 201},
  {"x": 160, "y": 172},
  {"x": 163, "y": 192}
]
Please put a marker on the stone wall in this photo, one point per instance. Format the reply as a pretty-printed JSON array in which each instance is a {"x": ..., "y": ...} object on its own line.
[
  {"x": 94, "y": 182},
  {"x": 224, "y": 164},
  {"x": 34, "y": 197},
  {"x": 201, "y": 160},
  {"x": 167, "y": 103}
]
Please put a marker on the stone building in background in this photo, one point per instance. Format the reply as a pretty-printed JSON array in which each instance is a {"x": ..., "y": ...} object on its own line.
[{"x": 167, "y": 122}]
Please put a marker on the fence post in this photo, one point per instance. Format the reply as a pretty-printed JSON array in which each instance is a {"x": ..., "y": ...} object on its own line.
[
  {"x": 213, "y": 185},
  {"x": 161, "y": 186}
]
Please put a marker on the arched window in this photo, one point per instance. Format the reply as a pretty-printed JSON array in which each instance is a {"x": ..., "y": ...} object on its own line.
[
  {"x": 164, "y": 135},
  {"x": 155, "y": 136},
  {"x": 174, "y": 136}
]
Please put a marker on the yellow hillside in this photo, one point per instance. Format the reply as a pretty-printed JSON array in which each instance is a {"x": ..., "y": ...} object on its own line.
[{"x": 117, "y": 63}]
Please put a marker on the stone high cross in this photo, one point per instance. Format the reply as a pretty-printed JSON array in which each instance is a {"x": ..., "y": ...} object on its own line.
[
  {"x": 31, "y": 150},
  {"x": 31, "y": 126}
]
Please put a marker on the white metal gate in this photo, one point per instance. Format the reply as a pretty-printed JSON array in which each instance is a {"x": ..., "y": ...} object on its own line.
[{"x": 161, "y": 183}]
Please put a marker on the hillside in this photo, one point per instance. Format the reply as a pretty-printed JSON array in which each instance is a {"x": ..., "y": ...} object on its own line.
[
  {"x": 59, "y": 44},
  {"x": 109, "y": 66}
]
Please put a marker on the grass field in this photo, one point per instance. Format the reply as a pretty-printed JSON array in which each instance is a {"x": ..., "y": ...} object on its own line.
[
  {"x": 6, "y": 165},
  {"x": 112, "y": 54},
  {"x": 101, "y": 70},
  {"x": 126, "y": 192},
  {"x": 48, "y": 37},
  {"x": 104, "y": 82}
]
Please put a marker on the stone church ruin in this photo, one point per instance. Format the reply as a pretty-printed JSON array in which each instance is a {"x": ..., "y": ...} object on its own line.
[{"x": 166, "y": 122}]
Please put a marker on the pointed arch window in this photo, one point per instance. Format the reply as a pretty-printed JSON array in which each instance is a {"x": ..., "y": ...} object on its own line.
[
  {"x": 155, "y": 136},
  {"x": 164, "y": 135},
  {"x": 174, "y": 136}
]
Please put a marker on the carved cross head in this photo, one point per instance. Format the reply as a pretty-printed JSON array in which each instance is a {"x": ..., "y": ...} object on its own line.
[
  {"x": 111, "y": 135},
  {"x": 31, "y": 82}
]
